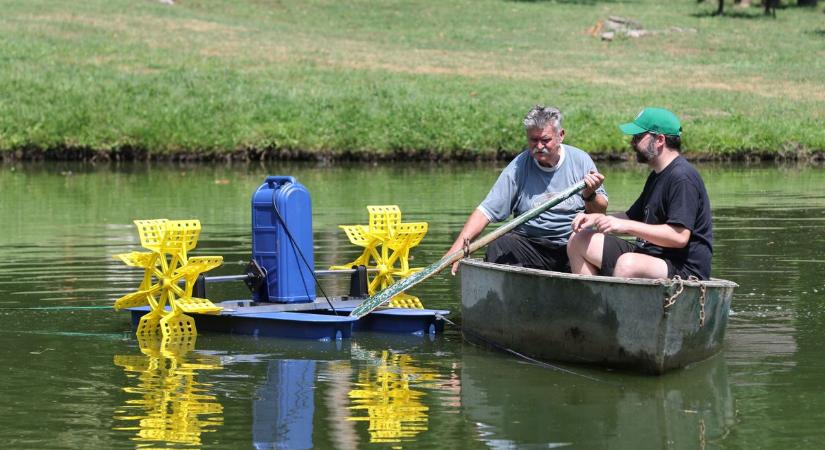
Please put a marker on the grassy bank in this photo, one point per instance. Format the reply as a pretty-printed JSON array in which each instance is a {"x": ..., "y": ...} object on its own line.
[{"x": 368, "y": 78}]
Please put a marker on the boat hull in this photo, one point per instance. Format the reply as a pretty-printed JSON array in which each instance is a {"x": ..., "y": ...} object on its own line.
[{"x": 608, "y": 321}]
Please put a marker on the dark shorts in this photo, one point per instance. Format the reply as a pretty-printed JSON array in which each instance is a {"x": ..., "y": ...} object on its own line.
[
  {"x": 615, "y": 247},
  {"x": 536, "y": 253}
]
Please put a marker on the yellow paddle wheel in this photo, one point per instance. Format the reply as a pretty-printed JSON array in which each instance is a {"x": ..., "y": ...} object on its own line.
[
  {"x": 386, "y": 242},
  {"x": 165, "y": 266}
]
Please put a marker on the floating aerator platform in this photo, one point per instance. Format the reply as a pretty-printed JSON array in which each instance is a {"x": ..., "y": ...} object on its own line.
[{"x": 171, "y": 300}]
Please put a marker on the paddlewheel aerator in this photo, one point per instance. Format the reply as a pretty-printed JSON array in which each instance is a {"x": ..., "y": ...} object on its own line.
[
  {"x": 387, "y": 243},
  {"x": 165, "y": 266}
]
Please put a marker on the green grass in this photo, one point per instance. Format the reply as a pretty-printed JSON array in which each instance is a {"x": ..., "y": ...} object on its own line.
[{"x": 393, "y": 79}]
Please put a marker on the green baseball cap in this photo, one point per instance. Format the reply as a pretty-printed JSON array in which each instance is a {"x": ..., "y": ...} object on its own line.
[{"x": 653, "y": 120}]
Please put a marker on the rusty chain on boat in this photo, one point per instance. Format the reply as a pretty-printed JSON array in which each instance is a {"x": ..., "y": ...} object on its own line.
[
  {"x": 680, "y": 287},
  {"x": 677, "y": 280}
]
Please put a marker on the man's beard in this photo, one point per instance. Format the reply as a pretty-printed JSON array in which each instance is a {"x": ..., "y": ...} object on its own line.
[{"x": 647, "y": 155}]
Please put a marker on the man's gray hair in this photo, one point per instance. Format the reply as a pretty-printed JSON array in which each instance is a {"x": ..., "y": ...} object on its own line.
[{"x": 541, "y": 116}]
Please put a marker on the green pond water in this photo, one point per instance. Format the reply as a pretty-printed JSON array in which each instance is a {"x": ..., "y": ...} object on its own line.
[{"x": 75, "y": 377}]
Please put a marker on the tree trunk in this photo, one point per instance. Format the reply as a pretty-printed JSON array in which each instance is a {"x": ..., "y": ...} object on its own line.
[
  {"x": 721, "y": 8},
  {"x": 770, "y": 7}
]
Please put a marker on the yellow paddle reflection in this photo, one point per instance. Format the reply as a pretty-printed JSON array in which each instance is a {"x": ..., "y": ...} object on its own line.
[
  {"x": 167, "y": 403},
  {"x": 384, "y": 397}
]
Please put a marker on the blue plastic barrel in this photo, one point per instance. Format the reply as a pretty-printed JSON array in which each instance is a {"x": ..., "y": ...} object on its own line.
[{"x": 288, "y": 278}]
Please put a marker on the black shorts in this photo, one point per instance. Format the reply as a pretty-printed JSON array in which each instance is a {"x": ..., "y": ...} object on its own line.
[
  {"x": 515, "y": 249},
  {"x": 615, "y": 247}
]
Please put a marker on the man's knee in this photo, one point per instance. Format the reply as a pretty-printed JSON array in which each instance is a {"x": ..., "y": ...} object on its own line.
[
  {"x": 637, "y": 265},
  {"x": 576, "y": 243},
  {"x": 500, "y": 250},
  {"x": 500, "y": 243},
  {"x": 580, "y": 243}
]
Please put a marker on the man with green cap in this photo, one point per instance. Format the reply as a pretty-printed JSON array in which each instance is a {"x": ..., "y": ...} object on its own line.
[{"x": 671, "y": 219}]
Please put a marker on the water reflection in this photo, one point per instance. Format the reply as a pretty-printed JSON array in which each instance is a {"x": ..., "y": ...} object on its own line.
[
  {"x": 514, "y": 404},
  {"x": 283, "y": 409},
  {"x": 388, "y": 396},
  {"x": 167, "y": 403},
  {"x": 367, "y": 391}
]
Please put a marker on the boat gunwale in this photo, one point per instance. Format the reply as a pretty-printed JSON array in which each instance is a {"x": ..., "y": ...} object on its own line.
[{"x": 713, "y": 282}]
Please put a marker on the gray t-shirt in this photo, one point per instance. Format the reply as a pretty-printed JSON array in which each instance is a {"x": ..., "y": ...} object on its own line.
[{"x": 524, "y": 184}]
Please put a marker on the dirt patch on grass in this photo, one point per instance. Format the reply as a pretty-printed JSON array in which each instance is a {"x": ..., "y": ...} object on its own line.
[
  {"x": 137, "y": 25},
  {"x": 479, "y": 64},
  {"x": 267, "y": 46},
  {"x": 360, "y": 55}
]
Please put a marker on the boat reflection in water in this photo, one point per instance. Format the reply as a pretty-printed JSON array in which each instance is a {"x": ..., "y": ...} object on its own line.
[
  {"x": 514, "y": 404},
  {"x": 388, "y": 396},
  {"x": 167, "y": 404}
]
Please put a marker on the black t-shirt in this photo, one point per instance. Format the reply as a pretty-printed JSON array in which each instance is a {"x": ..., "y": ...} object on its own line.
[{"x": 677, "y": 196}]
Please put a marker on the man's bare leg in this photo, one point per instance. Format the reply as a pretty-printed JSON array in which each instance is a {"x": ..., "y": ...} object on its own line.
[
  {"x": 638, "y": 265},
  {"x": 585, "y": 252}
]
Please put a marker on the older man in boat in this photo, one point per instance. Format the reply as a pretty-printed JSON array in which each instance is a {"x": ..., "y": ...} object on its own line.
[
  {"x": 545, "y": 168},
  {"x": 671, "y": 219}
]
